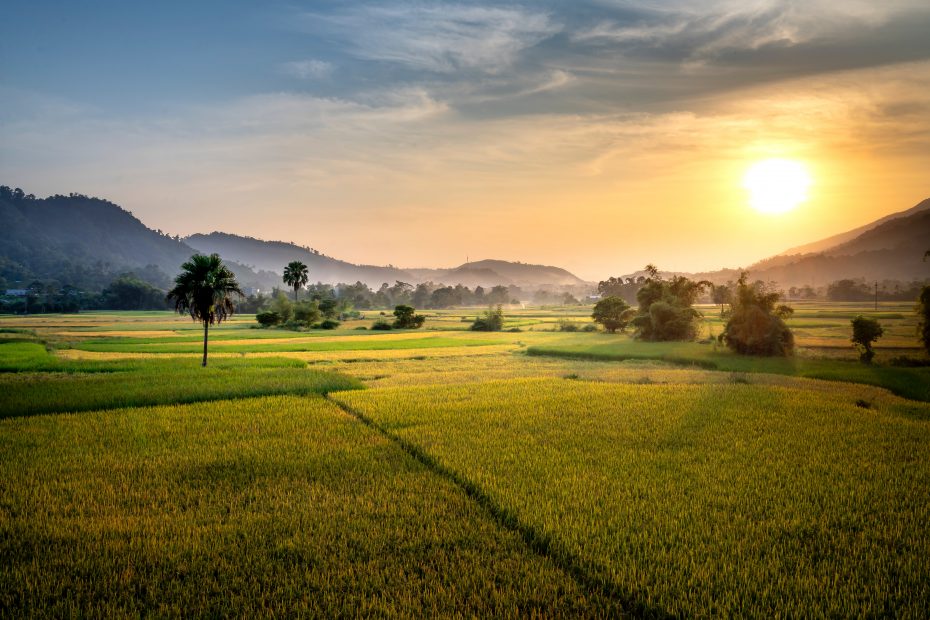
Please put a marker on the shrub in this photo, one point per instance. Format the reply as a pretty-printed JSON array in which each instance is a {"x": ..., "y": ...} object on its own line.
[
  {"x": 589, "y": 328},
  {"x": 268, "y": 318},
  {"x": 382, "y": 325},
  {"x": 665, "y": 311},
  {"x": 923, "y": 313},
  {"x": 328, "y": 324},
  {"x": 491, "y": 321},
  {"x": 756, "y": 326},
  {"x": 567, "y": 325},
  {"x": 307, "y": 313},
  {"x": 283, "y": 306},
  {"x": 613, "y": 313},
  {"x": 407, "y": 319},
  {"x": 865, "y": 332}
]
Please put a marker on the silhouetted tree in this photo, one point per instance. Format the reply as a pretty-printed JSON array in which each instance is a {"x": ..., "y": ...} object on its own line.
[
  {"x": 203, "y": 290},
  {"x": 407, "y": 318},
  {"x": 923, "y": 313},
  {"x": 296, "y": 276},
  {"x": 757, "y": 325},
  {"x": 865, "y": 332},
  {"x": 491, "y": 321},
  {"x": 665, "y": 311},
  {"x": 613, "y": 313}
]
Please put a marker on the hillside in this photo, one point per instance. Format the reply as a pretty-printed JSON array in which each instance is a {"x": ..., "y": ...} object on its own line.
[
  {"x": 274, "y": 255},
  {"x": 842, "y": 238},
  {"x": 889, "y": 248},
  {"x": 80, "y": 240},
  {"x": 493, "y": 272},
  {"x": 86, "y": 242}
]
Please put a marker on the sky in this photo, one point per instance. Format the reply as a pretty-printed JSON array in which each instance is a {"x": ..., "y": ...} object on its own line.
[{"x": 596, "y": 135}]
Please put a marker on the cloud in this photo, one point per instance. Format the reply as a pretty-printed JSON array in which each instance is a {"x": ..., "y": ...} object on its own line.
[
  {"x": 307, "y": 69},
  {"x": 438, "y": 38}
]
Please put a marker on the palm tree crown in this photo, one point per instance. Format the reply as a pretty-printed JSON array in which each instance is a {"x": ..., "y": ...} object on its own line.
[
  {"x": 203, "y": 290},
  {"x": 296, "y": 276}
]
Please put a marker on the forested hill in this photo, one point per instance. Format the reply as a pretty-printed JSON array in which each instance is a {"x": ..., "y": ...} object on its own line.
[
  {"x": 81, "y": 241},
  {"x": 274, "y": 255},
  {"x": 889, "y": 249},
  {"x": 86, "y": 242}
]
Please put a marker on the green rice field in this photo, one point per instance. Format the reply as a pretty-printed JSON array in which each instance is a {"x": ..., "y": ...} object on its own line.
[{"x": 446, "y": 473}]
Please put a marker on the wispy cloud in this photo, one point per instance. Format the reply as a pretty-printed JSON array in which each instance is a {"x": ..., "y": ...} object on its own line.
[
  {"x": 307, "y": 69},
  {"x": 439, "y": 38}
]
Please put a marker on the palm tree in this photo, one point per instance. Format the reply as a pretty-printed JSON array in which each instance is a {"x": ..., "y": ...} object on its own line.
[
  {"x": 203, "y": 290},
  {"x": 296, "y": 276}
]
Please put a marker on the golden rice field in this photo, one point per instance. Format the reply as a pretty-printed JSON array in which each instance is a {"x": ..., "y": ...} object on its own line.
[{"x": 447, "y": 473}]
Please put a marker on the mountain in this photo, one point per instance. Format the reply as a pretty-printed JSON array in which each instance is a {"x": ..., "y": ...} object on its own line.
[
  {"x": 80, "y": 240},
  {"x": 890, "y": 248},
  {"x": 274, "y": 255},
  {"x": 836, "y": 240},
  {"x": 87, "y": 242},
  {"x": 493, "y": 272}
]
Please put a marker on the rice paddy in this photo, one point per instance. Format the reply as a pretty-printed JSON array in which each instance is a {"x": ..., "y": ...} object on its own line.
[{"x": 443, "y": 472}]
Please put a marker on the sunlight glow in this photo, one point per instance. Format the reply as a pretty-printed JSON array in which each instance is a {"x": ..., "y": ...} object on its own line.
[{"x": 776, "y": 185}]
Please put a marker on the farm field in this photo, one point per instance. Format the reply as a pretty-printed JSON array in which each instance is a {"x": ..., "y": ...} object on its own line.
[{"x": 440, "y": 472}]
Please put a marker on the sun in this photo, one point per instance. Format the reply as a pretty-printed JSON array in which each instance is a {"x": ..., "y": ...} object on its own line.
[{"x": 776, "y": 185}]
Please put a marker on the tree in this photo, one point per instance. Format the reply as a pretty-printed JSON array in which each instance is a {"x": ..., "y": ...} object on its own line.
[
  {"x": 407, "y": 318},
  {"x": 296, "y": 276},
  {"x": 203, "y": 290},
  {"x": 757, "y": 325},
  {"x": 613, "y": 313},
  {"x": 492, "y": 321},
  {"x": 865, "y": 332},
  {"x": 923, "y": 313},
  {"x": 665, "y": 311}
]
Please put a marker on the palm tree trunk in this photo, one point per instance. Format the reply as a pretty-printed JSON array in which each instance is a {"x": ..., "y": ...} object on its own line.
[
  {"x": 295, "y": 294},
  {"x": 206, "y": 328}
]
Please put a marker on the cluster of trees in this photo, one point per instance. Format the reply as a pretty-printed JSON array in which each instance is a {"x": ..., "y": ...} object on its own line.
[
  {"x": 126, "y": 292},
  {"x": 492, "y": 320},
  {"x": 405, "y": 317},
  {"x": 756, "y": 323},
  {"x": 666, "y": 307}
]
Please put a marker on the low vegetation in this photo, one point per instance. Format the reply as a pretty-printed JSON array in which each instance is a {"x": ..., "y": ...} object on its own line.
[
  {"x": 596, "y": 476},
  {"x": 771, "y": 499}
]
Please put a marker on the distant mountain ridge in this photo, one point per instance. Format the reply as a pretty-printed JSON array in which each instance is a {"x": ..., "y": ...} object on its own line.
[
  {"x": 86, "y": 242},
  {"x": 890, "y": 248}
]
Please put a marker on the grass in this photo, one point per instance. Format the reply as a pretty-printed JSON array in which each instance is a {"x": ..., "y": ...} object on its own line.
[
  {"x": 736, "y": 500},
  {"x": 365, "y": 343},
  {"x": 161, "y": 382},
  {"x": 279, "y": 506},
  {"x": 908, "y": 382},
  {"x": 594, "y": 476}
]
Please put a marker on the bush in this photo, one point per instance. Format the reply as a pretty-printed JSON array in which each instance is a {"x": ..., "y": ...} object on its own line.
[
  {"x": 865, "y": 332},
  {"x": 491, "y": 321},
  {"x": 328, "y": 324},
  {"x": 613, "y": 313},
  {"x": 268, "y": 318},
  {"x": 307, "y": 313},
  {"x": 283, "y": 307},
  {"x": 589, "y": 328},
  {"x": 756, "y": 326},
  {"x": 567, "y": 325},
  {"x": 665, "y": 311},
  {"x": 407, "y": 319},
  {"x": 382, "y": 325},
  {"x": 362, "y": 327},
  {"x": 923, "y": 314}
]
